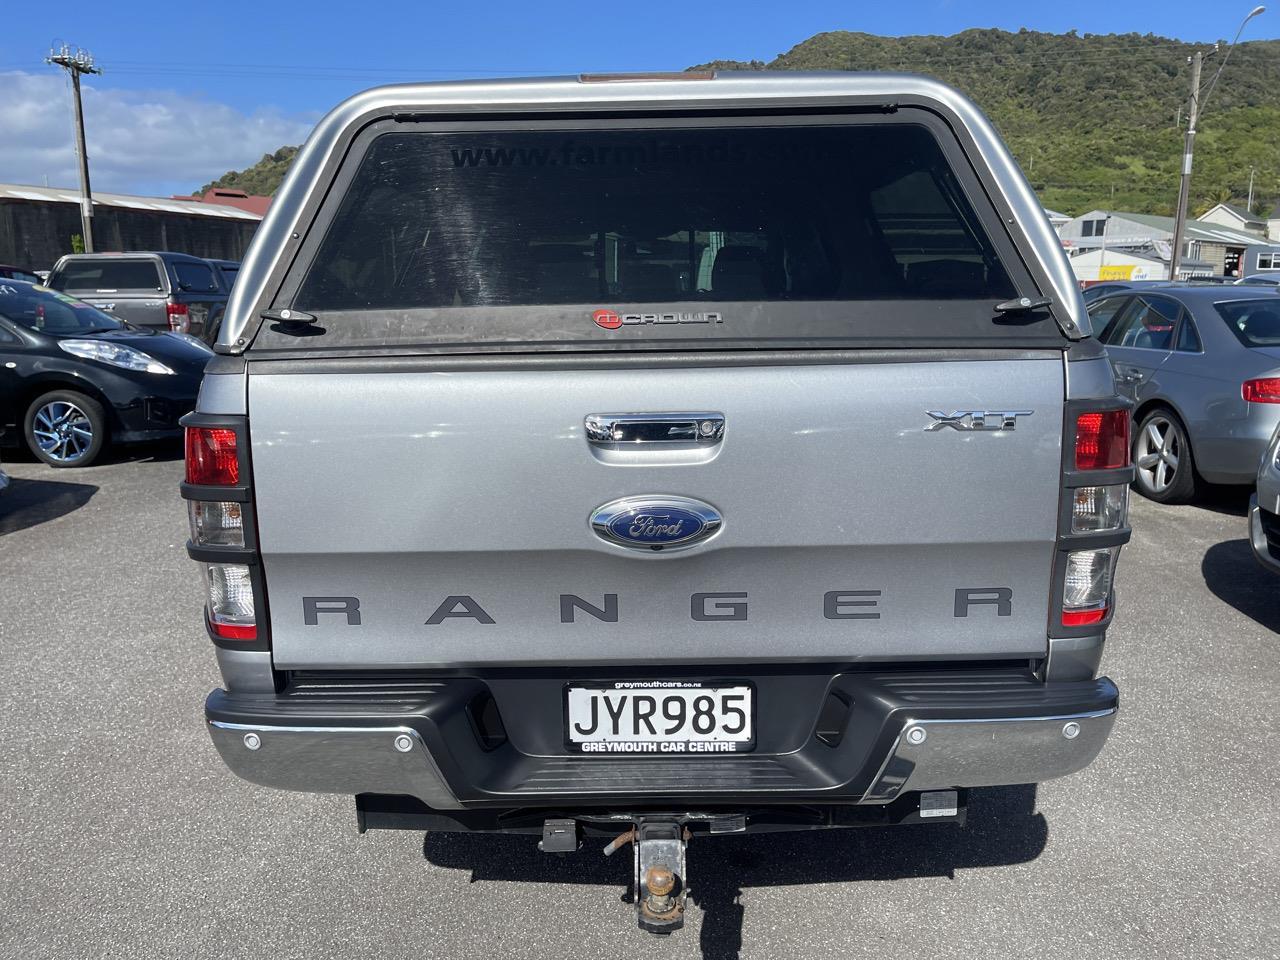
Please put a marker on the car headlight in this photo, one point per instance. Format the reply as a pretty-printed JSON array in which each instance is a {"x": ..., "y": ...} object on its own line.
[{"x": 114, "y": 354}]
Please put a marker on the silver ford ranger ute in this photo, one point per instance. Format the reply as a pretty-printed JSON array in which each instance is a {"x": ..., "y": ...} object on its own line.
[{"x": 653, "y": 458}]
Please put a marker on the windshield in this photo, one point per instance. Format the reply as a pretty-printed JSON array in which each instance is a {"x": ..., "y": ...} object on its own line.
[
  {"x": 1256, "y": 323},
  {"x": 45, "y": 310}
]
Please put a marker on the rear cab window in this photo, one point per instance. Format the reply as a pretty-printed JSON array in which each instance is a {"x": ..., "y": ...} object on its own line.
[
  {"x": 108, "y": 275},
  {"x": 766, "y": 232},
  {"x": 195, "y": 277}
]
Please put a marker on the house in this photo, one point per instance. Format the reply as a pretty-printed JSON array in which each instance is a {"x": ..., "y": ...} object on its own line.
[
  {"x": 1056, "y": 220},
  {"x": 38, "y": 224},
  {"x": 1211, "y": 249},
  {"x": 1238, "y": 218}
]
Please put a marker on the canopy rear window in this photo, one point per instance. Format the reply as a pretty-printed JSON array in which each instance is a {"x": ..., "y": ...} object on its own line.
[
  {"x": 792, "y": 230},
  {"x": 108, "y": 275}
]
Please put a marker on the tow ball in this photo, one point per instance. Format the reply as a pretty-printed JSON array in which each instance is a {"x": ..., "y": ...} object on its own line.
[{"x": 660, "y": 881}]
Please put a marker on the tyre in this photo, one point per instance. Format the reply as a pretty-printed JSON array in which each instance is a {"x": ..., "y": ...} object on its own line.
[
  {"x": 66, "y": 429},
  {"x": 1166, "y": 472}
]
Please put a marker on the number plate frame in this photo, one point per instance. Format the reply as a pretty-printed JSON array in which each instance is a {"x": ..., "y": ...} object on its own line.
[{"x": 662, "y": 745}]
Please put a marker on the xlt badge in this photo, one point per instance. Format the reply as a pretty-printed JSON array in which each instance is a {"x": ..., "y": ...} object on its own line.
[
  {"x": 656, "y": 523},
  {"x": 964, "y": 420}
]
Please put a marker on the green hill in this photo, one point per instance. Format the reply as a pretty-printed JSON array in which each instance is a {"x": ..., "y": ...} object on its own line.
[
  {"x": 1093, "y": 118},
  {"x": 262, "y": 179}
]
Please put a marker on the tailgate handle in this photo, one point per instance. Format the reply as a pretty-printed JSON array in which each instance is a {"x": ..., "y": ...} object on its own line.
[{"x": 604, "y": 429}]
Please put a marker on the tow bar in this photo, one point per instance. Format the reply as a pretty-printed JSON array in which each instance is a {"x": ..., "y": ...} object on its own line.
[{"x": 659, "y": 879}]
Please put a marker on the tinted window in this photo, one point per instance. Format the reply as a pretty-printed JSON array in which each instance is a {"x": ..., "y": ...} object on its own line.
[
  {"x": 108, "y": 274},
  {"x": 1256, "y": 323},
  {"x": 228, "y": 274},
  {"x": 197, "y": 277},
  {"x": 1103, "y": 314},
  {"x": 1147, "y": 324},
  {"x": 1188, "y": 337},
  {"x": 20, "y": 275},
  {"x": 593, "y": 217},
  {"x": 50, "y": 312}
]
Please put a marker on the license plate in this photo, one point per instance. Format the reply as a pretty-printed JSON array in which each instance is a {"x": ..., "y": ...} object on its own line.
[{"x": 660, "y": 717}]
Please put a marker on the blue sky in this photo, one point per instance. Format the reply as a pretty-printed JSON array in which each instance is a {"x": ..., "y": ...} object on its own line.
[{"x": 190, "y": 91}]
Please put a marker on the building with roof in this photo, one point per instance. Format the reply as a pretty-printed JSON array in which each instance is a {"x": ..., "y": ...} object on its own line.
[
  {"x": 38, "y": 224},
  {"x": 1056, "y": 220},
  {"x": 1238, "y": 218},
  {"x": 231, "y": 197},
  {"x": 1211, "y": 249}
]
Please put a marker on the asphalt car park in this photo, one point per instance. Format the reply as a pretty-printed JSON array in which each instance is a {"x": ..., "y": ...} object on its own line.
[{"x": 124, "y": 835}]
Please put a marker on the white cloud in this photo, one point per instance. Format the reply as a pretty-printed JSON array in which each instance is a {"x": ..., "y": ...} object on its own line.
[{"x": 146, "y": 142}]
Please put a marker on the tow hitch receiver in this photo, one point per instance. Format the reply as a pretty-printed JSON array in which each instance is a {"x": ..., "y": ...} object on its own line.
[{"x": 660, "y": 879}]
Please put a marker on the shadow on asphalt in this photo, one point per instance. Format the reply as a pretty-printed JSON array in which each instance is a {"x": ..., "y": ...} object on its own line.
[
  {"x": 28, "y": 503},
  {"x": 157, "y": 452},
  {"x": 1230, "y": 500},
  {"x": 1233, "y": 576},
  {"x": 1003, "y": 829}
]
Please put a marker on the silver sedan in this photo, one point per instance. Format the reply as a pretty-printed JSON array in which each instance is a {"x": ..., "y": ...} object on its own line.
[
  {"x": 1264, "y": 509},
  {"x": 1202, "y": 367}
]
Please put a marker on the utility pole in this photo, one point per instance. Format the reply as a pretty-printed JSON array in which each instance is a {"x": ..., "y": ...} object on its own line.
[
  {"x": 1188, "y": 150},
  {"x": 1189, "y": 142},
  {"x": 1249, "y": 202},
  {"x": 76, "y": 62}
]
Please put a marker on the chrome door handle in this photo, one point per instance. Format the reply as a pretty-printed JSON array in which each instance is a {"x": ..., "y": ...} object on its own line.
[{"x": 633, "y": 428}]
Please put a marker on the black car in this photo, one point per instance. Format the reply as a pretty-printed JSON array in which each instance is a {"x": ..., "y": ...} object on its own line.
[
  {"x": 73, "y": 378},
  {"x": 163, "y": 291}
]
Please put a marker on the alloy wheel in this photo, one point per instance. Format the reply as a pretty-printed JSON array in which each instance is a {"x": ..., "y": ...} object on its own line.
[
  {"x": 63, "y": 431},
  {"x": 1159, "y": 453}
]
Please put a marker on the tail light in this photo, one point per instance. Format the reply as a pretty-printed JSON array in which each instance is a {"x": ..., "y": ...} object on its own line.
[
  {"x": 178, "y": 315},
  {"x": 212, "y": 458},
  {"x": 1093, "y": 522},
  {"x": 1086, "y": 587},
  {"x": 1102, "y": 440},
  {"x": 223, "y": 532},
  {"x": 1262, "y": 390}
]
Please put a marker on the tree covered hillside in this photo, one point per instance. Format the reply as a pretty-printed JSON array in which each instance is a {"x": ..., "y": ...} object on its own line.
[{"x": 1093, "y": 119}]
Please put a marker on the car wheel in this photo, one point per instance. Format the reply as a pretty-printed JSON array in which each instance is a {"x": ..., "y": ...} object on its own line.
[
  {"x": 1166, "y": 472},
  {"x": 66, "y": 429}
]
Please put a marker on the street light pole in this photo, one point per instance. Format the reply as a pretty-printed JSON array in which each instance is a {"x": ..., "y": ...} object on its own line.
[
  {"x": 1189, "y": 141},
  {"x": 76, "y": 63},
  {"x": 1188, "y": 150}
]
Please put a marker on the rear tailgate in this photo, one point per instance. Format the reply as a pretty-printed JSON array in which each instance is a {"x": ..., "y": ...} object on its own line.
[
  {"x": 407, "y": 489},
  {"x": 467, "y": 293}
]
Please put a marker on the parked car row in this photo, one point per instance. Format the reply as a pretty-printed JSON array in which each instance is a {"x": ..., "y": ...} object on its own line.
[
  {"x": 74, "y": 378},
  {"x": 162, "y": 291},
  {"x": 1201, "y": 365}
]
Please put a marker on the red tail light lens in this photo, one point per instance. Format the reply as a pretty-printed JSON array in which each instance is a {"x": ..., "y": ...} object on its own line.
[
  {"x": 234, "y": 631},
  {"x": 179, "y": 318},
  {"x": 1082, "y": 618},
  {"x": 1264, "y": 390},
  {"x": 1102, "y": 440},
  {"x": 211, "y": 456}
]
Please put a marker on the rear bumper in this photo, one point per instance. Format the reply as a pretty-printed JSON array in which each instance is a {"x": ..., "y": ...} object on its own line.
[
  {"x": 901, "y": 733},
  {"x": 1264, "y": 536}
]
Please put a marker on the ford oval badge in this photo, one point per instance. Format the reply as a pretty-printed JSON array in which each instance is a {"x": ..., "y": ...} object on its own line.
[{"x": 656, "y": 523}]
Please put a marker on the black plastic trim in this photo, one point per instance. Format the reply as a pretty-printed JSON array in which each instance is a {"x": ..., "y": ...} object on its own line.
[
  {"x": 790, "y": 765},
  {"x": 376, "y": 811}
]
